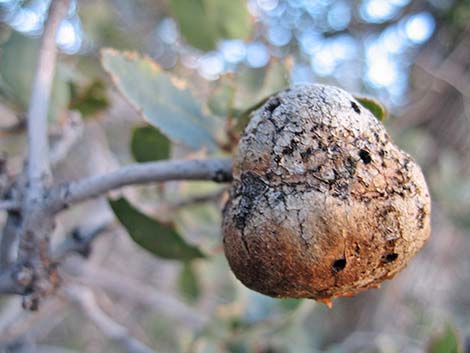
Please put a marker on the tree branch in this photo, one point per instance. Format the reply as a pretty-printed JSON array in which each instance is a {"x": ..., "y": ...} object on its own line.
[
  {"x": 71, "y": 132},
  {"x": 126, "y": 287},
  {"x": 78, "y": 242},
  {"x": 35, "y": 223},
  {"x": 38, "y": 146},
  {"x": 218, "y": 170},
  {"x": 84, "y": 297},
  {"x": 10, "y": 205}
]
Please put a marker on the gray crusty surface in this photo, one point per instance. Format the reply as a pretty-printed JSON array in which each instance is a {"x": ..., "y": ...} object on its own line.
[{"x": 323, "y": 204}]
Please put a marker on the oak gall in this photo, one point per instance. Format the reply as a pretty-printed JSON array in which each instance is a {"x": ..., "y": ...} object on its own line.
[{"x": 323, "y": 204}]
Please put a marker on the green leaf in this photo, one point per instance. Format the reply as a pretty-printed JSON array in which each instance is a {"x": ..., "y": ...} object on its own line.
[
  {"x": 188, "y": 282},
  {"x": 17, "y": 66},
  {"x": 373, "y": 106},
  {"x": 149, "y": 144},
  {"x": 204, "y": 22},
  {"x": 446, "y": 342},
  {"x": 164, "y": 101},
  {"x": 91, "y": 100},
  {"x": 157, "y": 238}
]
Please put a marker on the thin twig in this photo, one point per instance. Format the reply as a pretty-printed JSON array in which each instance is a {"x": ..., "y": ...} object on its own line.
[
  {"x": 131, "y": 289},
  {"x": 28, "y": 321},
  {"x": 70, "y": 134},
  {"x": 45, "y": 348},
  {"x": 10, "y": 205},
  {"x": 78, "y": 242},
  {"x": 38, "y": 146},
  {"x": 218, "y": 170},
  {"x": 85, "y": 298}
]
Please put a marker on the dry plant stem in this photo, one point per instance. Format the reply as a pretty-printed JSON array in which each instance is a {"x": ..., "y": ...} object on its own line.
[
  {"x": 218, "y": 170},
  {"x": 85, "y": 298}
]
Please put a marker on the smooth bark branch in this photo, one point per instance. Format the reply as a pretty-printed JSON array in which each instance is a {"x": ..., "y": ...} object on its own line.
[
  {"x": 10, "y": 205},
  {"x": 38, "y": 146},
  {"x": 218, "y": 170},
  {"x": 36, "y": 223}
]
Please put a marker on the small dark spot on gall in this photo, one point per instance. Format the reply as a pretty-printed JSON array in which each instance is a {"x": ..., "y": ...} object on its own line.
[
  {"x": 389, "y": 257},
  {"x": 287, "y": 150},
  {"x": 277, "y": 159},
  {"x": 420, "y": 217},
  {"x": 272, "y": 105},
  {"x": 339, "y": 265},
  {"x": 357, "y": 248},
  {"x": 306, "y": 153},
  {"x": 365, "y": 156},
  {"x": 355, "y": 107}
]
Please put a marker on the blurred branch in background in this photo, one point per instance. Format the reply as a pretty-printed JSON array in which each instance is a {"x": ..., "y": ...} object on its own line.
[
  {"x": 137, "y": 291},
  {"x": 85, "y": 298},
  {"x": 70, "y": 133}
]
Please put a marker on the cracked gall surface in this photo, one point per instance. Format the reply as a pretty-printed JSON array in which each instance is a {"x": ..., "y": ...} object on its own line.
[{"x": 323, "y": 203}]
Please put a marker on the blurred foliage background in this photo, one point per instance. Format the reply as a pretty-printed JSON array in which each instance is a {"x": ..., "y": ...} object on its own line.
[{"x": 177, "y": 294}]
